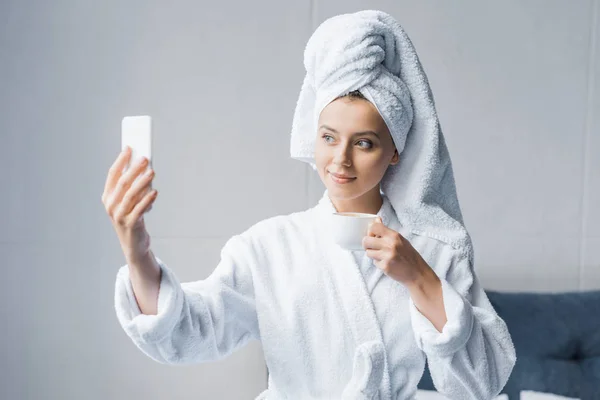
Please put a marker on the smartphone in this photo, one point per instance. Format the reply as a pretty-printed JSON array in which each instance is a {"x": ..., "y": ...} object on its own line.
[{"x": 136, "y": 132}]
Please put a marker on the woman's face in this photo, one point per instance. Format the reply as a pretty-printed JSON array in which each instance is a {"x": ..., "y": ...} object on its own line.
[{"x": 353, "y": 140}]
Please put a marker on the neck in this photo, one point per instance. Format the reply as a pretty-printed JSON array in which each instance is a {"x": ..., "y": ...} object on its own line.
[{"x": 369, "y": 203}]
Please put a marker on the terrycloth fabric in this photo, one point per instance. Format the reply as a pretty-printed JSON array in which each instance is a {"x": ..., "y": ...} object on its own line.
[
  {"x": 285, "y": 283},
  {"x": 369, "y": 51}
]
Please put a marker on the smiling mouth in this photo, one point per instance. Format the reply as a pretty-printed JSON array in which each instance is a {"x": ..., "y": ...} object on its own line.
[
  {"x": 341, "y": 180},
  {"x": 341, "y": 176}
]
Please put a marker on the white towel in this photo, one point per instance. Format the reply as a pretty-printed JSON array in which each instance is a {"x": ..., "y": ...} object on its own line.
[{"x": 369, "y": 51}]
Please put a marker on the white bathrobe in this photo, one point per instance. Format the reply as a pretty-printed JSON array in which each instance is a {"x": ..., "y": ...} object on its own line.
[{"x": 327, "y": 330}]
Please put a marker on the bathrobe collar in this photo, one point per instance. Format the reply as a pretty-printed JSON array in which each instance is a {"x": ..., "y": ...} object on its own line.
[{"x": 357, "y": 302}]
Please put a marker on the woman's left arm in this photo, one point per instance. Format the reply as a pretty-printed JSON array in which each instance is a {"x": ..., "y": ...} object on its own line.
[{"x": 468, "y": 347}]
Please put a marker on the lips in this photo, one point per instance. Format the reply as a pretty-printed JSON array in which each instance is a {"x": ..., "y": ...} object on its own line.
[
  {"x": 342, "y": 176},
  {"x": 341, "y": 181}
]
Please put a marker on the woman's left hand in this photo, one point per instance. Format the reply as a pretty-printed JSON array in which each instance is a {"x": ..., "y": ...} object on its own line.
[{"x": 393, "y": 254}]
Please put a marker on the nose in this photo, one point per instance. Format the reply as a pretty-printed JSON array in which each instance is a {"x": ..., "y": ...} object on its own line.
[{"x": 343, "y": 156}]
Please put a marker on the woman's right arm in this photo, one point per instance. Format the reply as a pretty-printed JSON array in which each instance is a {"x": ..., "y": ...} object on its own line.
[
  {"x": 145, "y": 274},
  {"x": 195, "y": 322},
  {"x": 171, "y": 322},
  {"x": 126, "y": 200}
]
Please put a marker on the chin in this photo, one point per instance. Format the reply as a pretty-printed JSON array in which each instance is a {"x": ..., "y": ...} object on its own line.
[{"x": 343, "y": 193}]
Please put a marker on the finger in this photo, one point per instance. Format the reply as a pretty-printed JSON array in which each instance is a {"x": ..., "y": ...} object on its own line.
[
  {"x": 376, "y": 255},
  {"x": 371, "y": 242},
  {"x": 376, "y": 228},
  {"x": 115, "y": 170},
  {"x": 144, "y": 205},
  {"x": 137, "y": 191},
  {"x": 126, "y": 180}
]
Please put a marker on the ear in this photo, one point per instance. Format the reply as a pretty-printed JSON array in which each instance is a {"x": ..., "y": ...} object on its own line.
[{"x": 396, "y": 158}]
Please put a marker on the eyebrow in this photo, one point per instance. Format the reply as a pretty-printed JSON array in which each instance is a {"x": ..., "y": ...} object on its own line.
[{"x": 355, "y": 133}]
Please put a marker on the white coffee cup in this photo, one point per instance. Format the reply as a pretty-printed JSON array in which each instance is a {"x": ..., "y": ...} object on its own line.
[{"x": 349, "y": 228}]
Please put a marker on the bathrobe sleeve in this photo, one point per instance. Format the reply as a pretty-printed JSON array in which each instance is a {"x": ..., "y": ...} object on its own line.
[
  {"x": 197, "y": 321},
  {"x": 474, "y": 355}
]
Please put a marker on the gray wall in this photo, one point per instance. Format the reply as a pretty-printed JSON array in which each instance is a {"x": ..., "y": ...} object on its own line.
[{"x": 517, "y": 90}]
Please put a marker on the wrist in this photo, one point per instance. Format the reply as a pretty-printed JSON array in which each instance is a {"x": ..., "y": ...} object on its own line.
[
  {"x": 142, "y": 265},
  {"x": 425, "y": 279}
]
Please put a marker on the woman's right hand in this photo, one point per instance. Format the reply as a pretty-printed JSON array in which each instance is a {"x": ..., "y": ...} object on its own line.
[{"x": 126, "y": 202}]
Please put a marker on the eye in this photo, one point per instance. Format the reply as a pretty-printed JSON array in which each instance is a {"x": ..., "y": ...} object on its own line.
[
  {"x": 325, "y": 136},
  {"x": 366, "y": 141}
]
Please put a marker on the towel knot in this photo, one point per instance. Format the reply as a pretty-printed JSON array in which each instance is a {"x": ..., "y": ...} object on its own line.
[{"x": 361, "y": 46}]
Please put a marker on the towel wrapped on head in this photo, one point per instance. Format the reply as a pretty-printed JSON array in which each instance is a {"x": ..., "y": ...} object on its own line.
[{"x": 370, "y": 52}]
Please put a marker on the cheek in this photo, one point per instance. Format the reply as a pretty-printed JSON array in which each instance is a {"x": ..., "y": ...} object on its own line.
[
  {"x": 319, "y": 155},
  {"x": 322, "y": 153},
  {"x": 320, "y": 159},
  {"x": 375, "y": 167},
  {"x": 372, "y": 161}
]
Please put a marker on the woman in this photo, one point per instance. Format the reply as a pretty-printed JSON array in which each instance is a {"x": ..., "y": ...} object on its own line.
[{"x": 335, "y": 323}]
